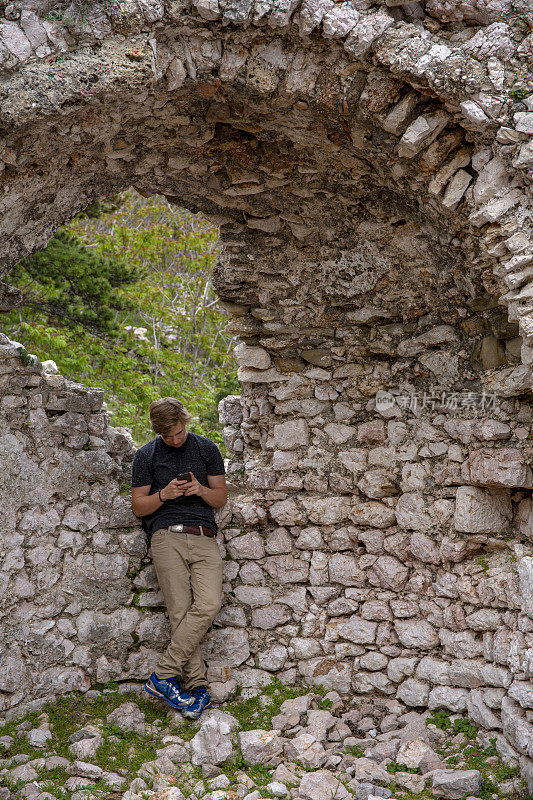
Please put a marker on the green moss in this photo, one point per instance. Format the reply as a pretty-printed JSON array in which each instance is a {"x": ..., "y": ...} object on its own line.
[{"x": 483, "y": 563}]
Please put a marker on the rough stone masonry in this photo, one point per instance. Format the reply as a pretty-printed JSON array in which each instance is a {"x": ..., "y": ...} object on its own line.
[{"x": 370, "y": 167}]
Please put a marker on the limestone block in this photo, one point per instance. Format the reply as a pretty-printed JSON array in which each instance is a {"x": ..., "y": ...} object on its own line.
[
  {"x": 372, "y": 432},
  {"x": 12, "y": 37},
  {"x": 516, "y": 728},
  {"x": 367, "y": 771},
  {"x": 525, "y": 518},
  {"x": 456, "y": 189},
  {"x": 460, "y": 645},
  {"x": 413, "y": 693},
  {"x": 377, "y": 483},
  {"x": 365, "y": 33},
  {"x": 390, "y": 573},
  {"x": 525, "y": 575},
  {"x": 411, "y": 512},
  {"x": 345, "y": 570},
  {"x": 492, "y": 179},
  {"x": 373, "y": 515},
  {"x": 259, "y": 746},
  {"x": 424, "y": 549},
  {"x": 274, "y": 658},
  {"x": 287, "y": 570},
  {"x": 524, "y": 122},
  {"x": 286, "y": 512},
  {"x": 358, "y": 630},
  {"x": 320, "y": 784},
  {"x": 339, "y": 21},
  {"x": 230, "y": 410},
  {"x": 492, "y": 430},
  {"x": 339, "y": 433},
  {"x": 401, "y": 112},
  {"x": 327, "y": 672},
  {"x": 480, "y": 713},
  {"x": 312, "y": 13},
  {"x": 255, "y": 357},
  {"x": 448, "y": 697},
  {"x": 270, "y": 617},
  {"x": 421, "y": 133},
  {"x": 291, "y": 434},
  {"x": 228, "y": 646},
  {"x": 486, "y": 619},
  {"x": 305, "y": 749},
  {"x": 523, "y": 692},
  {"x": 474, "y": 114},
  {"x": 456, "y": 783},
  {"x": 248, "y": 545},
  {"x": 509, "y": 382},
  {"x": 416, "y": 633},
  {"x": 212, "y": 744},
  {"x": 482, "y": 510},
  {"x": 503, "y": 468},
  {"x": 328, "y": 511},
  {"x": 127, "y": 717},
  {"x": 413, "y": 753},
  {"x": 496, "y": 208},
  {"x": 524, "y": 157}
]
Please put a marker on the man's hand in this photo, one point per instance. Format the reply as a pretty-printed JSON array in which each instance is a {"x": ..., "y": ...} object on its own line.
[
  {"x": 193, "y": 487},
  {"x": 174, "y": 489}
]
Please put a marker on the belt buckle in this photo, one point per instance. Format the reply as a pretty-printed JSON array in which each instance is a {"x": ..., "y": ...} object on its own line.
[{"x": 176, "y": 528}]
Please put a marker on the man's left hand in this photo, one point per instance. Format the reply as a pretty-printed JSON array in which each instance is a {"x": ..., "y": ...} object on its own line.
[{"x": 193, "y": 487}]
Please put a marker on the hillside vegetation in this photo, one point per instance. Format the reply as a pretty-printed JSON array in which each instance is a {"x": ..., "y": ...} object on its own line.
[{"x": 122, "y": 298}]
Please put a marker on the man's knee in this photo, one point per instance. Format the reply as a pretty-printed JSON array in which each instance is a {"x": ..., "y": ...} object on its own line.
[{"x": 208, "y": 607}]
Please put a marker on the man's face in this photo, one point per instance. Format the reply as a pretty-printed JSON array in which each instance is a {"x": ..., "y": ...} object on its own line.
[{"x": 176, "y": 436}]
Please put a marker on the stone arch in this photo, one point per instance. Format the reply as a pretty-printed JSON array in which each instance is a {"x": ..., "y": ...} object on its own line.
[{"x": 348, "y": 152}]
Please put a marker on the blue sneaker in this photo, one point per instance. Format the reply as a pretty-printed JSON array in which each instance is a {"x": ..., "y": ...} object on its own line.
[
  {"x": 202, "y": 700},
  {"x": 169, "y": 690}
]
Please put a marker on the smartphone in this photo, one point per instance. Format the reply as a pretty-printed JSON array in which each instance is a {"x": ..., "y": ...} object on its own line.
[{"x": 185, "y": 476}]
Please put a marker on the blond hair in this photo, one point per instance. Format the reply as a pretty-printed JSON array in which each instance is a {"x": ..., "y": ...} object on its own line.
[{"x": 165, "y": 413}]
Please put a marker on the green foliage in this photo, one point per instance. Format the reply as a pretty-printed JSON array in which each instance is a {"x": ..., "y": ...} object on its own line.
[
  {"x": 355, "y": 750},
  {"x": 394, "y": 766},
  {"x": 142, "y": 264},
  {"x": 70, "y": 279},
  {"x": 257, "y": 711},
  {"x": 465, "y": 726},
  {"x": 517, "y": 94},
  {"x": 440, "y": 719}
]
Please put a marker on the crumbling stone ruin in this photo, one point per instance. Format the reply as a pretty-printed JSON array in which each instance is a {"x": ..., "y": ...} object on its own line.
[{"x": 369, "y": 164}]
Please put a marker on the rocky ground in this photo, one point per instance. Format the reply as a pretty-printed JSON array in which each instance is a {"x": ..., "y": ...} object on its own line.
[{"x": 119, "y": 744}]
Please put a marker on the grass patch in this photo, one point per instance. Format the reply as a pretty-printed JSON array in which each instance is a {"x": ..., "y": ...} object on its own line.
[{"x": 258, "y": 711}]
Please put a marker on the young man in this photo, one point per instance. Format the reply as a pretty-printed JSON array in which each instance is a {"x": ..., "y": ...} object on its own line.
[{"x": 177, "y": 481}]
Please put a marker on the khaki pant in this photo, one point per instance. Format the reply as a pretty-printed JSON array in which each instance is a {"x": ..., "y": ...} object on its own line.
[{"x": 189, "y": 571}]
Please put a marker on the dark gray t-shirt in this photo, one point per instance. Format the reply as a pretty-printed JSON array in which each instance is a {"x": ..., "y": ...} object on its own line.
[{"x": 156, "y": 464}]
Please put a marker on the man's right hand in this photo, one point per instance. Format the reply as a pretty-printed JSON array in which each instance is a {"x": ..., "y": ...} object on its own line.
[{"x": 174, "y": 489}]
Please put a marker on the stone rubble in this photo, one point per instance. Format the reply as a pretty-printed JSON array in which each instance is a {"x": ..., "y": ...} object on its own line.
[
  {"x": 369, "y": 166},
  {"x": 368, "y": 749}
]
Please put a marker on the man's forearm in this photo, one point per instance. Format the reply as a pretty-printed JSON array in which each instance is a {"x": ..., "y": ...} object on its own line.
[
  {"x": 216, "y": 498},
  {"x": 145, "y": 505}
]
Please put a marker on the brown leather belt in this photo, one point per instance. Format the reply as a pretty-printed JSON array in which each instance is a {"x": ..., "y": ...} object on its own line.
[{"x": 196, "y": 530}]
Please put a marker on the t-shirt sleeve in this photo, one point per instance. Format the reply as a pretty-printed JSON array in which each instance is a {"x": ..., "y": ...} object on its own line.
[
  {"x": 215, "y": 462},
  {"x": 141, "y": 473}
]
